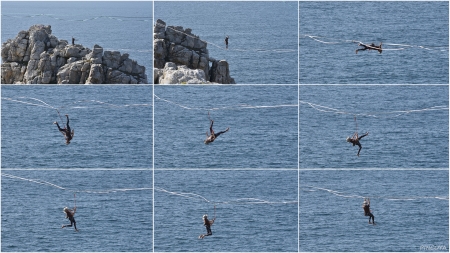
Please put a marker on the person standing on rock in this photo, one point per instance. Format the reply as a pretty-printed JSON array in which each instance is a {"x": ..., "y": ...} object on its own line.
[
  {"x": 73, "y": 41},
  {"x": 226, "y": 41}
]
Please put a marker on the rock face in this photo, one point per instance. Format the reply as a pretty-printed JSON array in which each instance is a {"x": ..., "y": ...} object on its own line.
[
  {"x": 36, "y": 56},
  {"x": 182, "y": 57}
]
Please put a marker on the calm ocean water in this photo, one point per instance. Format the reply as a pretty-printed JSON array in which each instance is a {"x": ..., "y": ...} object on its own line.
[
  {"x": 114, "y": 210},
  {"x": 248, "y": 177},
  {"x": 407, "y": 125},
  {"x": 263, "y": 122},
  {"x": 410, "y": 209},
  {"x": 263, "y": 36},
  {"x": 412, "y": 24},
  {"x": 255, "y": 210},
  {"x": 116, "y": 26},
  {"x": 112, "y": 127}
]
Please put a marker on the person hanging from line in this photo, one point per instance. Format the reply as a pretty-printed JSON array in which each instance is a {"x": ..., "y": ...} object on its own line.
[
  {"x": 68, "y": 135},
  {"x": 370, "y": 47},
  {"x": 367, "y": 211},
  {"x": 355, "y": 140},
  {"x": 213, "y": 136},
  {"x": 207, "y": 223},
  {"x": 226, "y": 42},
  {"x": 69, "y": 215}
]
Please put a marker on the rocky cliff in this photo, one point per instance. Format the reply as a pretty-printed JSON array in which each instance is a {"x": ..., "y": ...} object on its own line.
[
  {"x": 36, "y": 56},
  {"x": 182, "y": 57}
]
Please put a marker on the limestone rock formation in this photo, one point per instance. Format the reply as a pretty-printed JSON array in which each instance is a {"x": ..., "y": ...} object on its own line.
[
  {"x": 36, "y": 56},
  {"x": 182, "y": 57}
]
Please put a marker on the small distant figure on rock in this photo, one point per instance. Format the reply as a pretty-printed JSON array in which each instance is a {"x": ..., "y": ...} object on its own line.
[
  {"x": 226, "y": 42},
  {"x": 66, "y": 131},
  {"x": 73, "y": 41}
]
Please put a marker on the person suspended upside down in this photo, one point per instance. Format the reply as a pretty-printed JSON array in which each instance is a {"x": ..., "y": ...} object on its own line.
[
  {"x": 213, "y": 136},
  {"x": 207, "y": 223},
  {"x": 68, "y": 135},
  {"x": 69, "y": 215},
  {"x": 355, "y": 140},
  {"x": 370, "y": 47}
]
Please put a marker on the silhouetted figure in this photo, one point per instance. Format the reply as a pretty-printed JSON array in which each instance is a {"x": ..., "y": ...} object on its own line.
[
  {"x": 68, "y": 135},
  {"x": 213, "y": 136},
  {"x": 207, "y": 223},
  {"x": 69, "y": 215},
  {"x": 367, "y": 211},
  {"x": 370, "y": 47},
  {"x": 355, "y": 140}
]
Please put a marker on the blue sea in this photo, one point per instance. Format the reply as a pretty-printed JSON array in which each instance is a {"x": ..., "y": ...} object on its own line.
[
  {"x": 114, "y": 210},
  {"x": 410, "y": 209},
  {"x": 112, "y": 125},
  {"x": 255, "y": 210},
  {"x": 408, "y": 126},
  {"x": 414, "y": 36},
  {"x": 263, "y": 36},
  {"x": 124, "y": 26},
  {"x": 263, "y": 122}
]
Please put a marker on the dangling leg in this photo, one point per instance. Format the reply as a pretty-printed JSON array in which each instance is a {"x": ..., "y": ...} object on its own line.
[
  {"x": 62, "y": 130},
  {"x": 219, "y": 133},
  {"x": 364, "y": 135},
  {"x": 360, "y": 147},
  {"x": 68, "y": 225},
  {"x": 211, "y": 127},
  {"x": 67, "y": 123}
]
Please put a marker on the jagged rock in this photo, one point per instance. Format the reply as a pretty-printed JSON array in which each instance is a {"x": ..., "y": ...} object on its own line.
[
  {"x": 159, "y": 53},
  {"x": 37, "y": 57},
  {"x": 12, "y": 72},
  {"x": 175, "y": 45},
  {"x": 173, "y": 74},
  {"x": 220, "y": 72},
  {"x": 96, "y": 75},
  {"x": 160, "y": 30}
]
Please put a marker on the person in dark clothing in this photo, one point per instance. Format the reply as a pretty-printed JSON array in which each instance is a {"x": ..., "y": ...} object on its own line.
[
  {"x": 73, "y": 41},
  {"x": 226, "y": 41},
  {"x": 355, "y": 140},
  {"x": 69, "y": 215},
  {"x": 367, "y": 211},
  {"x": 213, "y": 136},
  {"x": 66, "y": 131},
  {"x": 370, "y": 47},
  {"x": 207, "y": 223}
]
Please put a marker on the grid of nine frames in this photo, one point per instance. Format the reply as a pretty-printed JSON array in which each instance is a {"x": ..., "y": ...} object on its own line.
[{"x": 180, "y": 178}]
